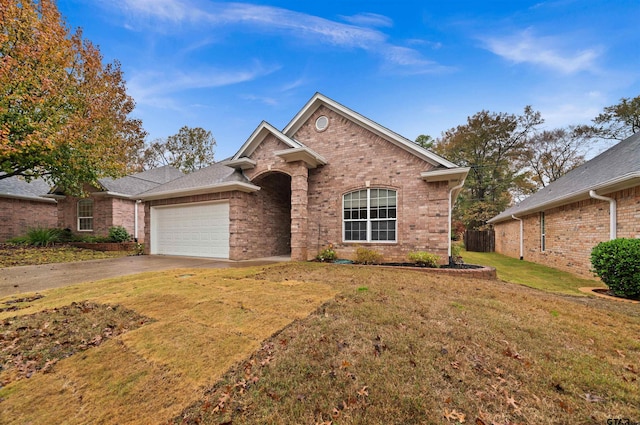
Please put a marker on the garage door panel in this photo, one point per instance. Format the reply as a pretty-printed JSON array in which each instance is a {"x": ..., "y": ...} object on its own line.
[{"x": 199, "y": 230}]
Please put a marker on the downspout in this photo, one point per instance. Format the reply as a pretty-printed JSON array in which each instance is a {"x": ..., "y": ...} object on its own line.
[
  {"x": 135, "y": 221},
  {"x": 613, "y": 232},
  {"x": 450, "y": 212},
  {"x": 521, "y": 235}
]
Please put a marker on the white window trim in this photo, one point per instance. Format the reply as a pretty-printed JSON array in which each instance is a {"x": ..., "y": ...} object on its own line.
[
  {"x": 79, "y": 217},
  {"x": 369, "y": 220}
]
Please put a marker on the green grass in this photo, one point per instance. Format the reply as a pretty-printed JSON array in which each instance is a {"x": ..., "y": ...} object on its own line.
[{"x": 531, "y": 274}]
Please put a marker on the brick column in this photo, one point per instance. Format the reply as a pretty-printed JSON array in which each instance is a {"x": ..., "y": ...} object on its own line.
[{"x": 299, "y": 214}]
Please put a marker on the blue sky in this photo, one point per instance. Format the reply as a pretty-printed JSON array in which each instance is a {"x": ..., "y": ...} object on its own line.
[{"x": 416, "y": 67}]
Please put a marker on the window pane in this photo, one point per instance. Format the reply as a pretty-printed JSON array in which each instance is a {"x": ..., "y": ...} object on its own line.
[
  {"x": 392, "y": 213},
  {"x": 392, "y": 198}
]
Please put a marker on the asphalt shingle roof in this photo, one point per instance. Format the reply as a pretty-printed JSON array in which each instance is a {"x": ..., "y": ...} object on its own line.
[
  {"x": 17, "y": 187},
  {"x": 141, "y": 182},
  {"x": 216, "y": 173},
  {"x": 620, "y": 162}
]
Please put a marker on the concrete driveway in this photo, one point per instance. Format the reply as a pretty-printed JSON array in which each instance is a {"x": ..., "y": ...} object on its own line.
[{"x": 14, "y": 280}]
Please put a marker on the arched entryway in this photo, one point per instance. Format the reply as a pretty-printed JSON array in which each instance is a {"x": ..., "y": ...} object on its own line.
[{"x": 274, "y": 222}]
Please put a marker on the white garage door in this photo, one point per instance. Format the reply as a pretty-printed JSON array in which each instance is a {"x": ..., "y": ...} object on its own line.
[{"x": 197, "y": 230}]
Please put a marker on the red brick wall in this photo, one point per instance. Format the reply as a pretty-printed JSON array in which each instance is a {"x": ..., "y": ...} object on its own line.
[
  {"x": 107, "y": 212},
  {"x": 19, "y": 215},
  {"x": 571, "y": 231},
  {"x": 357, "y": 157}
]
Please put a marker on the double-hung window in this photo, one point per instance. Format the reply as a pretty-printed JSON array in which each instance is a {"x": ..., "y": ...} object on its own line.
[
  {"x": 85, "y": 214},
  {"x": 370, "y": 215}
]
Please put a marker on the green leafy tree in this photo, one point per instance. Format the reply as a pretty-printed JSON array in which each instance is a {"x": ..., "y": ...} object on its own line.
[
  {"x": 64, "y": 116},
  {"x": 617, "y": 122},
  {"x": 189, "y": 150},
  {"x": 490, "y": 144},
  {"x": 425, "y": 141}
]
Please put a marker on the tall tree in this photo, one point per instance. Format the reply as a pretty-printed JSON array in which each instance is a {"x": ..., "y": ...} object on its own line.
[
  {"x": 553, "y": 153},
  {"x": 490, "y": 143},
  {"x": 64, "y": 116},
  {"x": 189, "y": 150},
  {"x": 425, "y": 141},
  {"x": 617, "y": 122}
]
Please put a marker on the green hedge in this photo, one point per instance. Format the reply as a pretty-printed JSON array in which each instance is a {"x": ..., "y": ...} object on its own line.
[{"x": 617, "y": 263}]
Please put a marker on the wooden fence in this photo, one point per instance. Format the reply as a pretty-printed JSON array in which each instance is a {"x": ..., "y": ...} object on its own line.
[{"x": 480, "y": 240}]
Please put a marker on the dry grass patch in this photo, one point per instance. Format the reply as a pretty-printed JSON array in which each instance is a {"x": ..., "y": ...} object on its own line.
[
  {"x": 19, "y": 255},
  {"x": 401, "y": 347},
  {"x": 204, "y": 321}
]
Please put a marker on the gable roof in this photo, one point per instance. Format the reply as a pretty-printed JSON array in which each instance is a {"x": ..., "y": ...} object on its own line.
[
  {"x": 614, "y": 169},
  {"x": 214, "y": 178},
  {"x": 321, "y": 100},
  {"x": 17, "y": 188}
]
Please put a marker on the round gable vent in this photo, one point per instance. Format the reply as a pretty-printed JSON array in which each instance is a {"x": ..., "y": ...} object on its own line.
[{"x": 322, "y": 123}]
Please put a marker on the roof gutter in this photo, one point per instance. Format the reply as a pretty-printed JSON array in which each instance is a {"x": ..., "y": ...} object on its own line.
[
  {"x": 41, "y": 198},
  {"x": 612, "y": 213},
  {"x": 521, "y": 235},
  {"x": 212, "y": 188}
]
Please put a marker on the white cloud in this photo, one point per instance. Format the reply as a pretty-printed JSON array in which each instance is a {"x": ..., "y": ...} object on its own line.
[
  {"x": 524, "y": 47},
  {"x": 369, "y": 20},
  {"x": 271, "y": 19},
  {"x": 155, "y": 87}
]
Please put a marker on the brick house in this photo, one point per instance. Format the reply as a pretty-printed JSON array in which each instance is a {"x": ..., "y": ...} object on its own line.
[
  {"x": 113, "y": 202},
  {"x": 560, "y": 224},
  {"x": 331, "y": 176},
  {"x": 23, "y": 207}
]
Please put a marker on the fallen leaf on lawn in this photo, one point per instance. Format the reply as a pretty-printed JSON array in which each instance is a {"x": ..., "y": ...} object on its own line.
[
  {"x": 454, "y": 415},
  {"x": 364, "y": 391},
  {"x": 511, "y": 401},
  {"x": 592, "y": 398}
]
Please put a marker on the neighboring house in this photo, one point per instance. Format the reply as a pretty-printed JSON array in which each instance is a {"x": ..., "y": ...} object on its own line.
[
  {"x": 331, "y": 176},
  {"x": 23, "y": 207},
  {"x": 114, "y": 202},
  {"x": 560, "y": 224}
]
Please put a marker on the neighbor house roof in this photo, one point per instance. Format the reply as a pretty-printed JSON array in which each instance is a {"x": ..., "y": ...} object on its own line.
[
  {"x": 214, "y": 178},
  {"x": 132, "y": 185},
  {"x": 18, "y": 188},
  {"x": 615, "y": 169}
]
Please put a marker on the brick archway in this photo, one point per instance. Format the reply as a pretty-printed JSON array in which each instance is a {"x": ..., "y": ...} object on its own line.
[{"x": 274, "y": 198}]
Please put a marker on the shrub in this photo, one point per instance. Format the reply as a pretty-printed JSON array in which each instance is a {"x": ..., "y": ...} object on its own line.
[
  {"x": 368, "y": 256},
  {"x": 65, "y": 235},
  {"x": 617, "y": 263},
  {"x": 118, "y": 234},
  {"x": 40, "y": 236},
  {"x": 424, "y": 259},
  {"x": 327, "y": 255}
]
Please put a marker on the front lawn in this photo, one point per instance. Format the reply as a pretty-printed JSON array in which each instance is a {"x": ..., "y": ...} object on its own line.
[{"x": 358, "y": 345}]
